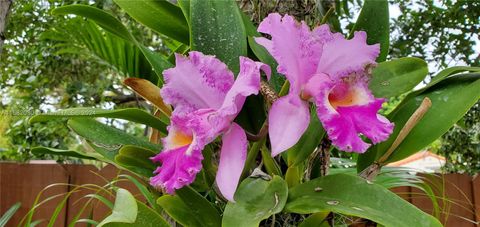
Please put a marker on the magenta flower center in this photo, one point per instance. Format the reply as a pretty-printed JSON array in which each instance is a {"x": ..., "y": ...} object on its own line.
[{"x": 347, "y": 94}]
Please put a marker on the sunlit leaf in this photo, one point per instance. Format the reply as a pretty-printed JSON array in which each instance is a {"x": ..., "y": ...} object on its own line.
[
  {"x": 397, "y": 76},
  {"x": 256, "y": 199},
  {"x": 352, "y": 195}
]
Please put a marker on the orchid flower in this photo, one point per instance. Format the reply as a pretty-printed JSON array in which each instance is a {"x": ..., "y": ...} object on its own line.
[
  {"x": 330, "y": 71},
  {"x": 206, "y": 100}
]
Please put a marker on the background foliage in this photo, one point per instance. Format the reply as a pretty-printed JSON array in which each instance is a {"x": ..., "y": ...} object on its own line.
[{"x": 46, "y": 66}]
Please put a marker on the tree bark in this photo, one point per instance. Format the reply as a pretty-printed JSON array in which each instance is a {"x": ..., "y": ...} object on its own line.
[{"x": 4, "y": 9}]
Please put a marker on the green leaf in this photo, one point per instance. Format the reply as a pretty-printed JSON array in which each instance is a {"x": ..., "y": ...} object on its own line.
[
  {"x": 124, "y": 210},
  {"x": 161, "y": 16},
  {"x": 270, "y": 163},
  {"x": 158, "y": 62},
  {"x": 105, "y": 20},
  {"x": 9, "y": 214},
  {"x": 451, "y": 99},
  {"x": 276, "y": 80},
  {"x": 130, "y": 114},
  {"x": 397, "y": 76},
  {"x": 308, "y": 142},
  {"x": 256, "y": 199},
  {"x": 352, "y": 195},
  {"x": 450, "y": 71},
  {"x": 217, "y": 29},
  {"x": 146, "y": 217},
  {"x": 317, "y": 219},
  {"x": 178, "y": 210},
  {"x": 149, "y": 196},
  {"x": 203, "y": 211},
  {"x": 136, "y": 159},
  {"x": 113, "y": 25},
  {"x": 373, "y": 153},
  {"x": 68, "y": 153},
  {"x": 374, "y": 20},
  {"x": 105, "y": 139}
]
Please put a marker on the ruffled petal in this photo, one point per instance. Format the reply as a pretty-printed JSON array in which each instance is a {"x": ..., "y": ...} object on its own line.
[
  {"x": 177, "y": 168},
  {"x": 342, "y": 57},
  {"x": 287, "y": 121},
  {"x": 296, "y": 49},
  {"x": 247, "y": 83},
  {"x": 199, "y": 81},
  {"x": 232, "y": 161},
  {"x": 367, "y": 122},
  {"x": 182, "y": 155},
  {"x": 347, "y": 109}
]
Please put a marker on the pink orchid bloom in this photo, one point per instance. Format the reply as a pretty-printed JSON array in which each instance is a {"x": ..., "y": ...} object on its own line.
[
  {"x": 206, "y": 100},
  {"x": 329, "y": 70}
]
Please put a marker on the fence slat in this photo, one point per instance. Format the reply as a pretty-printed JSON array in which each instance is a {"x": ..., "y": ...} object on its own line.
[
  {"x": 476, "y": 197},
  {"x": 23, "y": 182},
  {"x": 458, "y": 194}
]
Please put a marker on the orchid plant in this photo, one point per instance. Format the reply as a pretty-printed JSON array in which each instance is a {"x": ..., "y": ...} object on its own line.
[{"x": 257, "y": 148}]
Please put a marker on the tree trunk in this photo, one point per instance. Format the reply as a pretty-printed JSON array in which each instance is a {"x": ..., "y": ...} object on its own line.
[{"x": 4, "y": 9}]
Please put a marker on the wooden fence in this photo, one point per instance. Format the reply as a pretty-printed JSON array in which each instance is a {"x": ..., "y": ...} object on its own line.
[{"x": 458, "y": 195}]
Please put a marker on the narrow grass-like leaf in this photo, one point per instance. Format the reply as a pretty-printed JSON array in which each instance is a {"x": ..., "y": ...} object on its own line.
[{"x": 9, "y": 214}]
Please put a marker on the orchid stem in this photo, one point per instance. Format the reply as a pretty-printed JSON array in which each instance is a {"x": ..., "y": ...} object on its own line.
[
  {"x": 260, "y": 135},
  {"x": 284, "y": 89},
  {"x": 371, "y": 171},
  {"x": 327, "y": 15},
  {"x": 411, "y": 122},
  {"x": 251, "y": 157}
]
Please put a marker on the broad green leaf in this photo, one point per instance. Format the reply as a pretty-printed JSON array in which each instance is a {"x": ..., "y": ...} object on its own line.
[
  {"x": 217, "y": 29},
  {"x": 317, "y": 219},
  {"x": 149, "y": 196},
  {"x": 161, "y": 16},
  {"x": 146, "y": 217},
  {"x": 68, "y": 153},
  {"x": 256, "y": 199},
  {"x": 451, "y": 71},
  {"x": 308, "y": 142},
  {"x": 105, "y": 20},
  {"x": 185, "y": 7},
  {"x": 203, "y": 211},
  {"x": 451, "y": 99},
  {"x": 124, "y": 210},
  {"x": 352, "y": 195},
  {"x": 105, "y": 139},
  {"x": 130, "y": 114},
  {"x": 178, "y": 210},
  {"x": 397, "y": 76},
  {"x": 374, "y": 20},
  {"x": 136, "y": 159}
]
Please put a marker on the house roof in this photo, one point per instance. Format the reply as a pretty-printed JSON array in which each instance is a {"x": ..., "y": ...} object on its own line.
[{"x": 416, "y": 157}]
